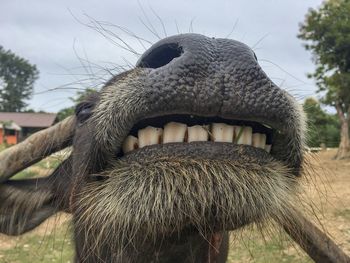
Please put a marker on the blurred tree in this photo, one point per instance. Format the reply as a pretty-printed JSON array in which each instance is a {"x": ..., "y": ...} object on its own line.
[
  {"x": 17, "y": 77},
  {"x": 327, "y": 35},
  {"x": 64, "y": 113},
  {"x": 322, "y": 127},
  {"x": 79, "y": 97}
]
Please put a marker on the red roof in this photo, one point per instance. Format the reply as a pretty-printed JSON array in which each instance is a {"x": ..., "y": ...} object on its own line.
[{"x": 24, "y": 119}]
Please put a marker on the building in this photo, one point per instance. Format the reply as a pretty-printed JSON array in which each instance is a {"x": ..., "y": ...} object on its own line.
[
  {"x": 9, "y": 132},
  {"x": 15, "y": 126}
]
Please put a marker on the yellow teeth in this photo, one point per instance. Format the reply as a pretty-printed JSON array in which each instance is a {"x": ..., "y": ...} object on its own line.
[
  {"x": 197, "y": 133},
  {"x": 174, "y": 132},
  {"x": 244, "y": 135},
  {"x": 179, "y": 132},
  {"x": 221, "y": 132},
  {"x": 259, "y": 140},
  {"x": 130, "y": 144},
  {"x": 149, "y": 136}
]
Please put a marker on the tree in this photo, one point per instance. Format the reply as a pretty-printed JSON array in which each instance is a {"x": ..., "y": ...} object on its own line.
[
  {"x": 323, "y": 127},
  {"x": 79, "y": 97},
  {"x": 17, "y": 77},
  {"x": 327, "y": 35}
]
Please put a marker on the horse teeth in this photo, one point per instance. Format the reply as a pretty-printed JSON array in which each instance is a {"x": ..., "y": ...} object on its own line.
[
  {"x": 244, "y": 135},
  {"x": 174, "y": 132},
  {"x": 197, "y": 133},
  {"x": 179, "y": 132},
  {"x": 149, "y": 136},
  {"x": 130, "y": 143},
  {"x": 221, "y": 132},
  {"x": 259, "y": 140}
]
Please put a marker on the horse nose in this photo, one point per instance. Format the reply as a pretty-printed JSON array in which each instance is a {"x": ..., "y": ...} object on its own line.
[
  {"x": 184, "y": 48},
  {"x": 160, "y": 55}
]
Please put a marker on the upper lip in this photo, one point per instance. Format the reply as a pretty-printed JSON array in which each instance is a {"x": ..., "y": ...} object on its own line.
[{"x": 149, "y": 95}]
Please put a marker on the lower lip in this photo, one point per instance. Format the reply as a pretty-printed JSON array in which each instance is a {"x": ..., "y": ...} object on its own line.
[{"x": 199, "y": 150}]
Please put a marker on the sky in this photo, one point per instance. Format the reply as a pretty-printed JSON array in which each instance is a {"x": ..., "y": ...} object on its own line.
[{"x": 78, "y": 44}]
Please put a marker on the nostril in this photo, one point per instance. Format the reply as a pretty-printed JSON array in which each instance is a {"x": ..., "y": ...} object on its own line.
[{"x": 160, "y": 56}]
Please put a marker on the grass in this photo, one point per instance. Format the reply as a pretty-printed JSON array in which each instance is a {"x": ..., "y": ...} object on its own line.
[
  {"x": 57, "y": 247},
  {"x": 249, "y": 246},
  {"x": 52, "y": 247},
  {"x": 3, "y": 146},
  {"x": 42, "y": 168},
  {"x": 252, "y": 246},
  {"x": 27, "y": 173},
  {"x": 45, "y": 165},
  {"x": 49, "y": 163},
  {"x": 343, "y": 213}
]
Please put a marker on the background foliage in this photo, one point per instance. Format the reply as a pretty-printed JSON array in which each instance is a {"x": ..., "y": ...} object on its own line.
[
  {"x": 322, "y": 126},
  {"x": 17, "y": 77}
]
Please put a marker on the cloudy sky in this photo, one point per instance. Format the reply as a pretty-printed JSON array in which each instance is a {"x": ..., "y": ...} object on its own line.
[{"x": 78, "y": 44}]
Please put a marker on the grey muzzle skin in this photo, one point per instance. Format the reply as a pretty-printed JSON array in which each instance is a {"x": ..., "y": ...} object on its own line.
[{"x": 197, "y": 75}]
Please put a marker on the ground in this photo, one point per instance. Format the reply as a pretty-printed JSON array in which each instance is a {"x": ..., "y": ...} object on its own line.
[{"x": 327, "y": 187}]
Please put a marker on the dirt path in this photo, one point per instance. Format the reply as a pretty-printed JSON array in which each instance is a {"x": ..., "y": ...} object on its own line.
[{"x": 328, "y": 188}]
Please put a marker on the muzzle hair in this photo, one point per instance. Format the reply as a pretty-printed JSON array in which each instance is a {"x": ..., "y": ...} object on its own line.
[{"x": 160, "y": 198}]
